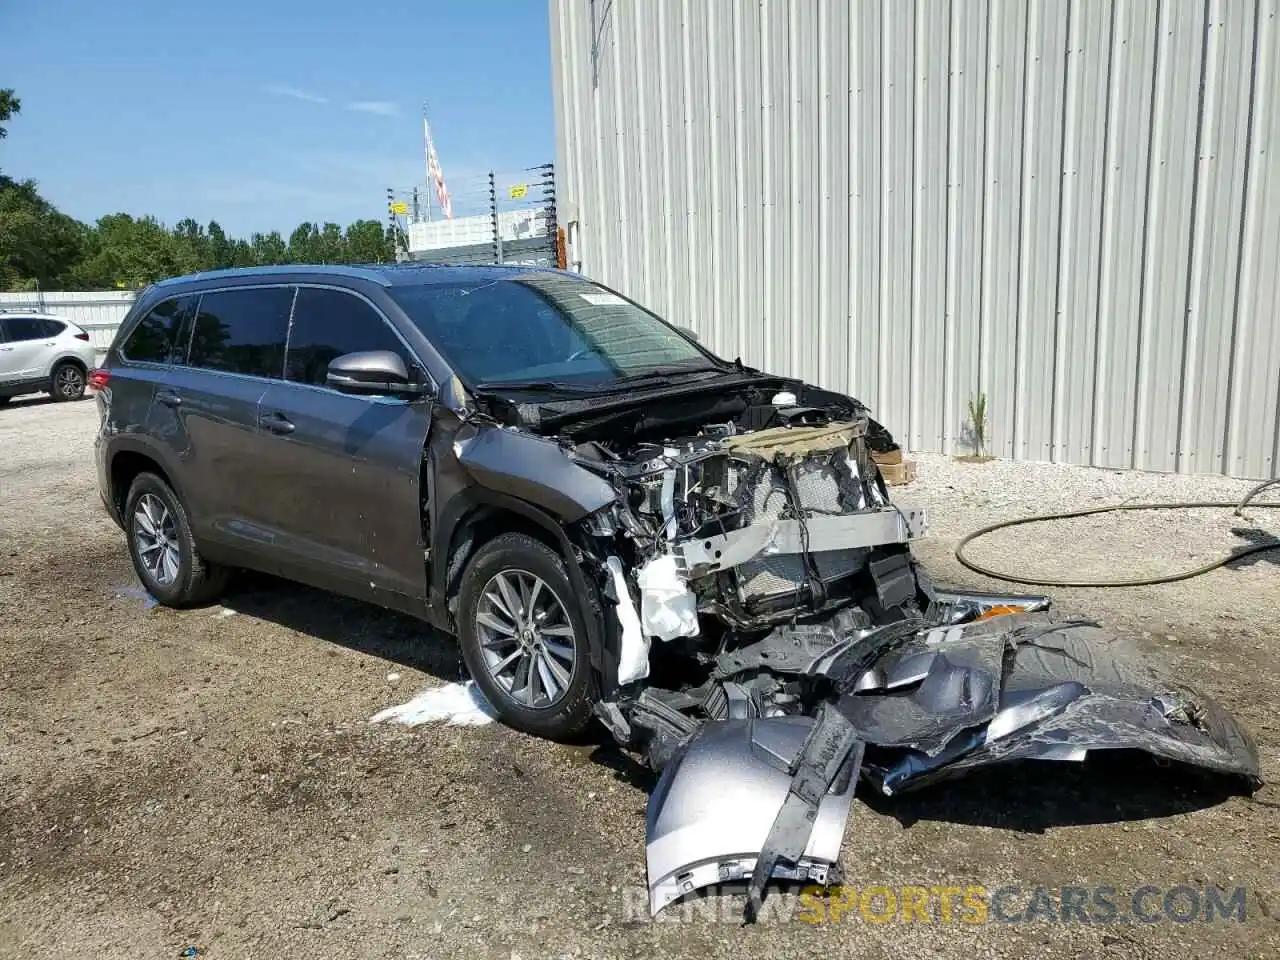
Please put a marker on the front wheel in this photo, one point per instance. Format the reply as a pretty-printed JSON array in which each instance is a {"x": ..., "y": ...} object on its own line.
[
  {"x": 68, "y": 382},
  {"x": 523, "y": 638}
]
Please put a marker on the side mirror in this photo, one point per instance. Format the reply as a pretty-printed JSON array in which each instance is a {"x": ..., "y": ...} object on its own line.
[
  {"x": 373, "y": 373},
  {"x": 691, "y": 334}
]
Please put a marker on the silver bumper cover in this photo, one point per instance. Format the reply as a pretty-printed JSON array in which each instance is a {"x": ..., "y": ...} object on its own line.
[{"x": 712, "y": 811}]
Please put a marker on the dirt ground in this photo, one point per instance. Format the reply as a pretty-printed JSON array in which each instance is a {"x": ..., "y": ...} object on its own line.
[{"x": 210, "y": 780}]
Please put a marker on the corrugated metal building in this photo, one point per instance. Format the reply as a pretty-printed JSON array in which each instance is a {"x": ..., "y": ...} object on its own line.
[{"x": 1070, "y": 206}]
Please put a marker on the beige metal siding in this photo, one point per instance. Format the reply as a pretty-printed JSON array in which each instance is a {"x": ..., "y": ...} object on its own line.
[{"x": 1072, "y": 206}]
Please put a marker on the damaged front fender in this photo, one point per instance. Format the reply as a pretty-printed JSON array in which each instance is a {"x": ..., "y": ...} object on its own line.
[{"x": 532, "y": 469}]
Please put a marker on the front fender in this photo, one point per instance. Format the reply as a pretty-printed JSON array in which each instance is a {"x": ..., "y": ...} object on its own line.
[{"x": 531, "y": 469}]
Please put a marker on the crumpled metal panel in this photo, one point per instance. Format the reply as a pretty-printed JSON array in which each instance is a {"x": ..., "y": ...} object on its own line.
[
  {"x": 712, "y": 810},
  {"x": 955, "y": 685},
  {"x": 1065, "y": 688}
]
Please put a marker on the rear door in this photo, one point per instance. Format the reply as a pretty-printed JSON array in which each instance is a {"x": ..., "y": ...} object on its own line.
[
  {"x": 341, "y": 474},
  {"x": 206, "y": 410}
]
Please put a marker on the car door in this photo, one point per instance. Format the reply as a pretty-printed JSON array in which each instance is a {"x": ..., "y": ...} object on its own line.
[
  {"x": 206, "y": 411},
  {"x": 8, "y": 355},
  {"x": 27, "y": 342},
  {"x": 342, "y": 474}
]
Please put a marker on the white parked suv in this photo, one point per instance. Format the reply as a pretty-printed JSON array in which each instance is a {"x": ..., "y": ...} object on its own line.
[{"x": 40, "y": 353}]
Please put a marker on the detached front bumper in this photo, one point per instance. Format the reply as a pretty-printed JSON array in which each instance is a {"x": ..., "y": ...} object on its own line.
[
  {"x": 927, "y": 703},
  {"x": 710, "y": 816}
]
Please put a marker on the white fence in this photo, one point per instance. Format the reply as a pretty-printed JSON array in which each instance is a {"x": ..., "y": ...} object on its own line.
[{"x": 98, "y": 313}]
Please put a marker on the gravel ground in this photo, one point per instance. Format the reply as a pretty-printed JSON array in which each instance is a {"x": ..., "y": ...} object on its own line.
[{"x": 174, "y": 779}]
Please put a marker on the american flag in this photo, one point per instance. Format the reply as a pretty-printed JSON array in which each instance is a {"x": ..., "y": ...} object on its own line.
[{"x": 436, "y": 175}]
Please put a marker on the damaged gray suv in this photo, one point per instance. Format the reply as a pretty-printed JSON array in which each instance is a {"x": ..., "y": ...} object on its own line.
[{"x": 615, "y": 523}]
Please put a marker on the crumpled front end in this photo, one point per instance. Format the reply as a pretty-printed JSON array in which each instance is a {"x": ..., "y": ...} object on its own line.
[{"x": 774, "y": 642}]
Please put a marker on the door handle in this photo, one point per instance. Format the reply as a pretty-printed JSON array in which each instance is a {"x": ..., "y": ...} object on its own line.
[
  {"x": 276, "y": 423},
  {"x": 169, "y": 398}
]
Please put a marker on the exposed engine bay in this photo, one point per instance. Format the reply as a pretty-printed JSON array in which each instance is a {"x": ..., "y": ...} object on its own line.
[{"x": 777, "y": 643}]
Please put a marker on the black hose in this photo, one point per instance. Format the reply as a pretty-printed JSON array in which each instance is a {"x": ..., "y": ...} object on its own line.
[{"x": 1236, "y": 554}]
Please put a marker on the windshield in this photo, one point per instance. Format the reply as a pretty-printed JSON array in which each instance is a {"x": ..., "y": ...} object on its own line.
[{"x": 545, "y": 329}]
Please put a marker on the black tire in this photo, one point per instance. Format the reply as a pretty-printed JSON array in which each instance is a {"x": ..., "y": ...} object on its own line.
[
  {"x": 518, "y": 553},
  {"x": 67, "y": 381},
  {"x": 4, "y": 400},
  {"x": 196, "y": 581}
]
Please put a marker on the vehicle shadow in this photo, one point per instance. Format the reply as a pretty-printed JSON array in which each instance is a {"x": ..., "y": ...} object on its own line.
[
  {"x": 29, "y": 400},
  {"x": 1112, "y": 786},
  {"x": 625, "y": 767},
  {"x": 354, "y": 624}
]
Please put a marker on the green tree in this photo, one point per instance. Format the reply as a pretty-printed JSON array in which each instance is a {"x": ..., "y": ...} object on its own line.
[
  {"x": 367, "y": 242},
  {"x": 9, "y": 106},
  {"x": 331, "y": 247},
  {"x": 126, "y": 253},
  {"x": 192, "y": 246},
  {"x": 220, "y": 248},
  {"x": 268, "y": 248},
  {"x": 304, "y": 244},
  {"x": 242, "y": 254},
  {"x": 38, "y": 244}
]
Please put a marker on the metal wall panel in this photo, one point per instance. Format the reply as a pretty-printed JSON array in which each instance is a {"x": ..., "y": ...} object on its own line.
[{"x": 1070, "y": 206}]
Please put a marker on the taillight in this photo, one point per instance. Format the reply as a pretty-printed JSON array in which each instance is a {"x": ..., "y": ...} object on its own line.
[
  {"x": 82, "y": 336},
  {"x": 98, "y": 379}
]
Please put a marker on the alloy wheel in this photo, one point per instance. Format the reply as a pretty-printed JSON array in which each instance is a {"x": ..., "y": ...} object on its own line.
[
  {"x": 155, "y": 536},
  {"x": 70, "y": 382},
  {"x": 527, "y": 638}
]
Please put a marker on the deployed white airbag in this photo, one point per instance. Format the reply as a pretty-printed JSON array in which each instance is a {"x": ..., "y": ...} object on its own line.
[
  {"x": 633, "y": 658},
  {"x": 668, "y": 608}
]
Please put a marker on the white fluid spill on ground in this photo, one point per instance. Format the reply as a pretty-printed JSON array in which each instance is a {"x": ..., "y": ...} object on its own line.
[
  {"x": 457, "y": 704},
  {"x": 137, "y": 593}
]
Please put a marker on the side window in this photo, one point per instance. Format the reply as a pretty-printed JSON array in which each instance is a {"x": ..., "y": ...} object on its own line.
[
  {"x": 51, "y": 328},
  {"x": 242, "y": 331},
  {"x": 161, "y": 337},
  {"x": 25, "y": 328},
  {"x": 329, "y": 323}
]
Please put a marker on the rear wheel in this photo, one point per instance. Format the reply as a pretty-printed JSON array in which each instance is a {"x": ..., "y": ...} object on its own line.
[
  {"x": 68, "y": 381},
  {"x": 523, "y": 638},
  {"x": 163, "y": 552}
]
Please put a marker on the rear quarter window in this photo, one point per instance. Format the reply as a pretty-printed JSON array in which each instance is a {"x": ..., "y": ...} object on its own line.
[{"x": 161, "y": 336}]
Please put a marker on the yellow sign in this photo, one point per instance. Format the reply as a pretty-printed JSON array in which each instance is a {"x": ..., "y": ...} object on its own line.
[
  {"x": 400, "y": 207},
  {"x": 519, "y": 191}
]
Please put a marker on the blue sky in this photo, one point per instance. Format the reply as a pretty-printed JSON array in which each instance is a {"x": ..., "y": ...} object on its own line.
[{"x": 264, "y": 113}]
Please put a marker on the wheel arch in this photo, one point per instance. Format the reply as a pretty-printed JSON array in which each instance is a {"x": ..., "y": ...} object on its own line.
[
  {"x": 478, "y": 515},
  {"x": 70, "y": 358},
  {"x": 129, "y": 459}
]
